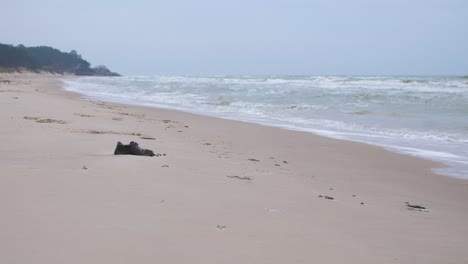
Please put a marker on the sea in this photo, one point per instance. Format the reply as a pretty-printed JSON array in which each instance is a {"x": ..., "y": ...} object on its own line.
[{"x": 416, "y": 115}]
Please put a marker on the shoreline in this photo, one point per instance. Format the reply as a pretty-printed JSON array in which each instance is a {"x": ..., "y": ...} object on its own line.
[
  {"x": 228, "y": 191},
  {"x": 436, "y": 164},
  {"x": 442, "y": 168}
]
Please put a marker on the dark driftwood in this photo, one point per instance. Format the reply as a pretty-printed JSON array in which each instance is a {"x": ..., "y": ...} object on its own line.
[
  {"x": 132, "y": 149},
  {"x": 414, "y": 206}
]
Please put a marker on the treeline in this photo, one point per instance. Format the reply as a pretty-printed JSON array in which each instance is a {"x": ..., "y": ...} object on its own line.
[{"x": 43, "y": 58}]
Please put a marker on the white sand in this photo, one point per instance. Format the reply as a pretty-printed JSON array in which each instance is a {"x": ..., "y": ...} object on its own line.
[{"x": 130, "y": 209}]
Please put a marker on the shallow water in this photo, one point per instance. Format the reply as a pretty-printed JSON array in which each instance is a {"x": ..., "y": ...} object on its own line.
[{"x": 421, "y": 116}]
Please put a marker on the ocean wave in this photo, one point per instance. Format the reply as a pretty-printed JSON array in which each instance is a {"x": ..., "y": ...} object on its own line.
[
  {"x": 413, "y": 81},
  {"x": 362, "y": 112}
]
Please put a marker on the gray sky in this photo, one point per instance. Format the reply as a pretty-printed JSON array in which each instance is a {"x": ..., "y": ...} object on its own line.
[{"x": 256, "y": 37}]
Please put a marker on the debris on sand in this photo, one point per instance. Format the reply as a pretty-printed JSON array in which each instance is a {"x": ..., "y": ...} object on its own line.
[
  {"x": 326, "y": 197},
  {"x": 102, "y": 132},
  {"x": 148, "y": 138},
  {"x": 45, "y": 120},
  {"x": 132, "y": 149},
  {"x": 83, "y": 115},
  {"x": 245, "y": 178},
  {"x": 416, "y": 207},
  {"x": 221, "y": 227}
]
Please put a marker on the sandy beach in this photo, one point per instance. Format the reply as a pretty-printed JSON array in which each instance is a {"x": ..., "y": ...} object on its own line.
[{"x": 221, "y": 191}]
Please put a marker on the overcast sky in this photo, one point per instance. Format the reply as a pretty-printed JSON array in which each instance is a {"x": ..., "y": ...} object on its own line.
[{"x": 254, "y": 37}]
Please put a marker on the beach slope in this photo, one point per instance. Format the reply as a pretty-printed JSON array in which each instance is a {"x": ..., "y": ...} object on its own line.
[{"x": 218, "y": 191}]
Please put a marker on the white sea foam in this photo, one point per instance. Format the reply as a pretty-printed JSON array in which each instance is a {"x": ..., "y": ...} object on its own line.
[{"x": 422, "y": 116}]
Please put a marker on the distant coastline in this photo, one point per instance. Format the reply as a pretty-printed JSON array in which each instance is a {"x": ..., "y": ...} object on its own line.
[{"x": 47, "y": 59}]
